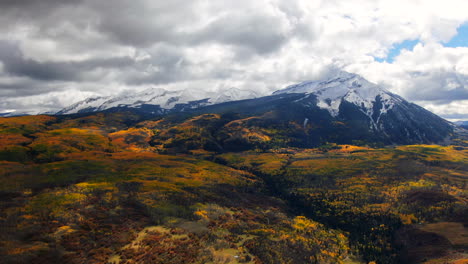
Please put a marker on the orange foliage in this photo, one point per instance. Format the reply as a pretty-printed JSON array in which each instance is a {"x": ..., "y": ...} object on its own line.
[
  {"x": 13, "y": 139},
  {"x": 37, "y": 120},
  {"x": 71, "y": 140},
  {"x": 134, "y": 139}
]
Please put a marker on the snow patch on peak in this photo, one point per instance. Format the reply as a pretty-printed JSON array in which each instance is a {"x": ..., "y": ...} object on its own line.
[
  {"x": 89, "y": 103},
  {"x": 166, "y": 99},
  {"x": 344, "y": 86},
  {"x": 233, "y": 94}
]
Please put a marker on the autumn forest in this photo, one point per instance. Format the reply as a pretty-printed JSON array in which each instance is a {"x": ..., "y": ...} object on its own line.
[{"x": 119, "y": 188}]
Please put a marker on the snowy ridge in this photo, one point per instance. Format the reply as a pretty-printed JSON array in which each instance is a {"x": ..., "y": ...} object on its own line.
[
  {"x": 90, "y": 103},
  {"x": 166, "y": 99},
  {"x": 234, "y": 94},
  {"x": 330, "y": 93},
  {"x": 349, "y": 87}
]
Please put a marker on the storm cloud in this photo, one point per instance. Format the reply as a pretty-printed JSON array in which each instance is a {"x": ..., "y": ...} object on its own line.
[
  {"x": 16, "y": 64},
  {"x": 56, "y": 52}
]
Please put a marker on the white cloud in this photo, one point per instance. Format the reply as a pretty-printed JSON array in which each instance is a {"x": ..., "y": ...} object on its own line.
[
  {"x": 434, "y": 76},
  {"x": 264, "y": 45},
  {"x": 450, "y": 111}
]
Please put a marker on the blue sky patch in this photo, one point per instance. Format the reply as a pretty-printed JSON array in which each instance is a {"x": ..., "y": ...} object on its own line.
[
  {"x": 395, "y": 51},
  {"x": 459, "y": 40}
]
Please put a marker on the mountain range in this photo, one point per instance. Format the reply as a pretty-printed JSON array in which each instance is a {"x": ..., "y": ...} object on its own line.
[
  {"x": 161, "y": 100},
  {"x": 463, "y": 124},
  {"x": 341, "y": 108},
  {"x": 323, "y": 171}
]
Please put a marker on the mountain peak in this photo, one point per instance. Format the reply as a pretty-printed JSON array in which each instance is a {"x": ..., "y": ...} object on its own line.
[
  {"x": 344, "y": 86},
  {"x": 342, "y": 75},
  {"x": 341, "y": 79}
]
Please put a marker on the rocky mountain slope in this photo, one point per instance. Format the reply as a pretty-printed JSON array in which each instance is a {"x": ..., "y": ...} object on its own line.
[{"x": 342, "y": 108}]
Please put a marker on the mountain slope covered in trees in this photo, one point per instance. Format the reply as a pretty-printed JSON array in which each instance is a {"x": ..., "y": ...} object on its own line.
[{"x": 116, "y": 187}]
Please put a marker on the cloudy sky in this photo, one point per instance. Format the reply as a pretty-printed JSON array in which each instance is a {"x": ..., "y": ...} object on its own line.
[{"x": 56, "y": 52}]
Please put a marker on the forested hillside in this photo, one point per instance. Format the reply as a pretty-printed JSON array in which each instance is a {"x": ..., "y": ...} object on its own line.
[{"x": 223, "y": 188}]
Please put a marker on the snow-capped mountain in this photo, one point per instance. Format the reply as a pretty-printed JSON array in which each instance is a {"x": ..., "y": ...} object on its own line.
[
  {"x": 461, "y": 123},
  {"x": 341, "y": 86},
  {"x": 342, "y": 108},
  {"x": 159, "y": 100},
  {"x": 233, "y": 94},
  {"x": 87, "y": 105},
  {"x": 348, "y": 87},
  {"x": 351, "y": 99}
]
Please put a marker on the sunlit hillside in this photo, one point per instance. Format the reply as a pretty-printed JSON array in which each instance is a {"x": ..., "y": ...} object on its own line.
[{"x": 211, "y": 188}]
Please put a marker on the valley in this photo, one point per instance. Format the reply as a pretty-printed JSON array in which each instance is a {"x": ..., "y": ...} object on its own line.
[{"x": 118, "y": 187}]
